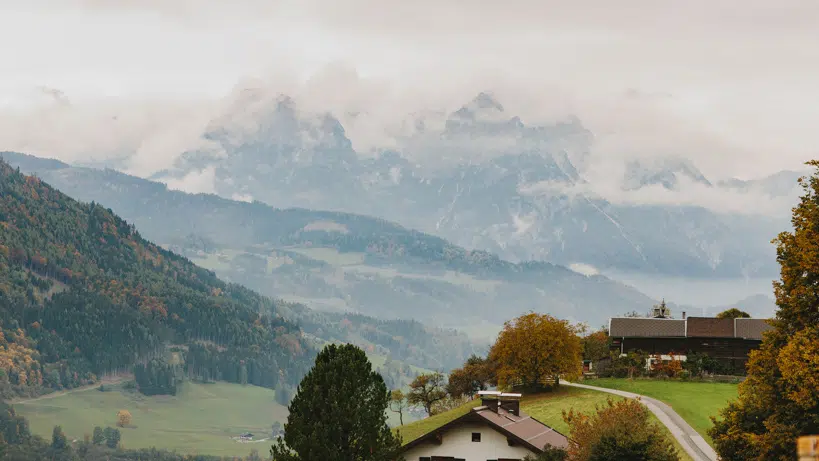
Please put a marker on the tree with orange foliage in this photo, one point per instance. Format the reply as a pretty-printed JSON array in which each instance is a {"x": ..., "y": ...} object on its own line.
[
  {"x": 780, "y": 399},
  {"x": 536, "y": 349},
  {"x": 618, "y": 430},
  {"x": 123, "y": 418}
]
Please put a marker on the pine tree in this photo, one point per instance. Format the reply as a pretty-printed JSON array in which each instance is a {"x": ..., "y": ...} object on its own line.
[
  {"x": 98, "y": 438},
  {"x": 780, "y": 399},
  {"x": 58, "y": 440},
  {"x": 339, "y": 412}
]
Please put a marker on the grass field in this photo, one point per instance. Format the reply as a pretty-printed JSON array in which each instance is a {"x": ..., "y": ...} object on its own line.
[
  {"x": 694, "y": 401},
  {"x": 201, "y": 418},
  {"x": 547, "y": 408}
]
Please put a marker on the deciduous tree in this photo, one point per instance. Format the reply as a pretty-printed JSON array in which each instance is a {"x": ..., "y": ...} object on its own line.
[
  {"x": 338, "y": 412},
  {"x": 426, "y": 390},
  {"x": 534, "y": 348},
  {"x": 733, "y": 313},
  {"x": 398, "y": 403},
  {"x": 476, "y": 375},
  {"x": 123, "y": 418},
  {"x": 778, "y": 402},
  {"x": 596, "y": 346},
  {"x": 618, "y": 430}
]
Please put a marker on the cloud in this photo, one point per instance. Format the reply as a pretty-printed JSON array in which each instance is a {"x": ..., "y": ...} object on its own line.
[
  {"x": 729, "y": 85},
  {"x": 752, "y": 201},
  {"x": 585, "y": 269},
  {"x": 199, "y": 182}
]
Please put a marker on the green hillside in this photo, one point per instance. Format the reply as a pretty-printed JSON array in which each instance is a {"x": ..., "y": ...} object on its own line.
[
  {"x": 696, "y": 402},
  {"x": 83, "y": 294},
  {"x": 201, "y": 418},
  {"x": 546, "y": 407}
]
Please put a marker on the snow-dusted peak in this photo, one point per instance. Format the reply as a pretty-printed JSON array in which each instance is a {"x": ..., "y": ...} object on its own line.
[{"x": 662, "y": 171}]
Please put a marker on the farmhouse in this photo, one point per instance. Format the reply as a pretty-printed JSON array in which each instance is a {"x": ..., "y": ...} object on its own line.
[
  {"x": 727, "y": 340},
  {"x": 496, "y": 430}
]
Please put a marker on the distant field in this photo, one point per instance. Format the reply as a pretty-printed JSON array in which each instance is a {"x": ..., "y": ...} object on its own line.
[
  {"x": 547, "y": 408},
  {"x": 331, "y": 256},
  {"x": 201, "y": 418},
  {"x": 694, "y": 401}
]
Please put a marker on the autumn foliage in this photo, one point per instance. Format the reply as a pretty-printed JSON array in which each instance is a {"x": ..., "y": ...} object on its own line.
[
  {"x": 123, "y": 418},
  {"x": 780, "y": 399},
  {"x": 427, "y": 390},
  {"x": 534, "y": 349},
  {"x": 85, "y": 295},
  {"x": 618, "y": 430}
]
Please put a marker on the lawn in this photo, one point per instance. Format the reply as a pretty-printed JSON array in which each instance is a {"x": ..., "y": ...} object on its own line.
[
  {"x": 547, "y": 408},
  {"x": 201, "y": 418},
  {"x": 412, "y": 431},
  {"x": 694, "y": 401}
]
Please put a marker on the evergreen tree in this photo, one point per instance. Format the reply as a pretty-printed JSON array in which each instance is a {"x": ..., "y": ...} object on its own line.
[
  {"x": 112, "y": 437},
  {"x": 339, "y": 412},
  {"x": 98, "y": 438},
  {"x": 780, "y": 399},
  {"x": 58, "y": 440}
]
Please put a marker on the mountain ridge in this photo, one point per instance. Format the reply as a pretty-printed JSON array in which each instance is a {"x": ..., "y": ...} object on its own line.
[
  {"x": 476, "y": 180},
  {"x": 425, "y": 277}
]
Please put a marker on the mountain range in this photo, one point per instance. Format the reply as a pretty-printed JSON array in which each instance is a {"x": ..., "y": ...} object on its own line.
[
  {"x": 485, "y": 180},
  {"x": 340, "y": 262},
  {"x": 83, "y": 294}
]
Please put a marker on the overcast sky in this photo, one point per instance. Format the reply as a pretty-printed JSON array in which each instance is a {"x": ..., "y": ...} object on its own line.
[{"x": 731, "y": 84}]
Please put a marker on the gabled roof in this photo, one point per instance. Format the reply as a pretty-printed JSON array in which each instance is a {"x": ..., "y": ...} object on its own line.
[
  {"x": 751, "y": 328},
  {"x": 691, "y": 327},
  {"x": 631, "y": 327},
  {"x": 709, "y": 327},
  {"x": 523, "y": 429}
]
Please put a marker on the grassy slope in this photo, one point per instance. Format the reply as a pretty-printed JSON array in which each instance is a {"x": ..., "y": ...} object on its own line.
[
  {"x": 694, "y": 401},
  {"x": 200, "y": 419},
  {"x": 547, "y": 408}
]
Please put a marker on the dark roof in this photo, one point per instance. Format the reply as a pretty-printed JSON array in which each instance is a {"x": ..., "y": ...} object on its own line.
[
  {"x": 631, "y": 327},
  {"x": 709, "y": 327},
  {"x": 691, "y": 327},
  {"x": 751, "y": 328},
  {"x": 523, "y": 429}
]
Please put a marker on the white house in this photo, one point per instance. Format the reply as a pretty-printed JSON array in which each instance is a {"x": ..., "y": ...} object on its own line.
[{"x": 495, "y": 431}]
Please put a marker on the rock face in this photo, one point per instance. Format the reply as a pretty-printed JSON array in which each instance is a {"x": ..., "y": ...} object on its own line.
[{"x": 486, "y": 180}]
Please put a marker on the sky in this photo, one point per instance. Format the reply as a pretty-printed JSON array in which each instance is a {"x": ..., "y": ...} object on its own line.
[{"x": 729, "y": 84}]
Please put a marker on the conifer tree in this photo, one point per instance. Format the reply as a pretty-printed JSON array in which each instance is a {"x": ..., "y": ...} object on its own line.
[{"x": 339, "y": 412}]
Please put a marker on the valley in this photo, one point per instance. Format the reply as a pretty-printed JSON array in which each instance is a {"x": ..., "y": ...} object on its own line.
[
  {"x": 201, "y": 418},
  {"x": 339, "y": 261}
]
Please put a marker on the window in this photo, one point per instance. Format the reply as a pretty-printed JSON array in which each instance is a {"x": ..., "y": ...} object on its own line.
[
  {"x": 425, "y": 458},
  {"x": 476, "y": 436}
]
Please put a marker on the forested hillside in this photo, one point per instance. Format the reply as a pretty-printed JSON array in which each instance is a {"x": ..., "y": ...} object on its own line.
[
  {"x": 342, "y": 262},
  {"x": 83, "y": 294}
]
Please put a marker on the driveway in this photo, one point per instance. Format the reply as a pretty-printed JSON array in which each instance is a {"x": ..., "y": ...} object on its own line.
[{"x": 691, "y": 441}]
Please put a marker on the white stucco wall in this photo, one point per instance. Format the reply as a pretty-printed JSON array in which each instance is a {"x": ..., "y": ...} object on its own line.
[{"x": 458, "y": 442}]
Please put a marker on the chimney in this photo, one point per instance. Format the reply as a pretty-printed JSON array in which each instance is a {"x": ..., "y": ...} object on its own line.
[
  {"x": 683, "y": 315},
  {"x": 510, "y": 403},
  {"x": 490, "y": 399}
]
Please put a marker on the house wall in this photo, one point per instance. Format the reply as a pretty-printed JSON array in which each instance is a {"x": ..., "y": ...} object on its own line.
[
  {"x": 457, "y": 442},
  {"x": 732, "y": 352}
]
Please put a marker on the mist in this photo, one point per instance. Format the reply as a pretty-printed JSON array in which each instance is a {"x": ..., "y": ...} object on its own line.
[{"x": 141, "y": 82}]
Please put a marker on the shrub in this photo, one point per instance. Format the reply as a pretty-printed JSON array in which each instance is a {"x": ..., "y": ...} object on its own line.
[{"x": 619, "y": 430}]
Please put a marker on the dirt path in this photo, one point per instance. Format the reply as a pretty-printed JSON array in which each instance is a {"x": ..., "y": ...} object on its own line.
[
  {"x": 691, "y": 441},
  {"x": 114, "y": 380}
]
